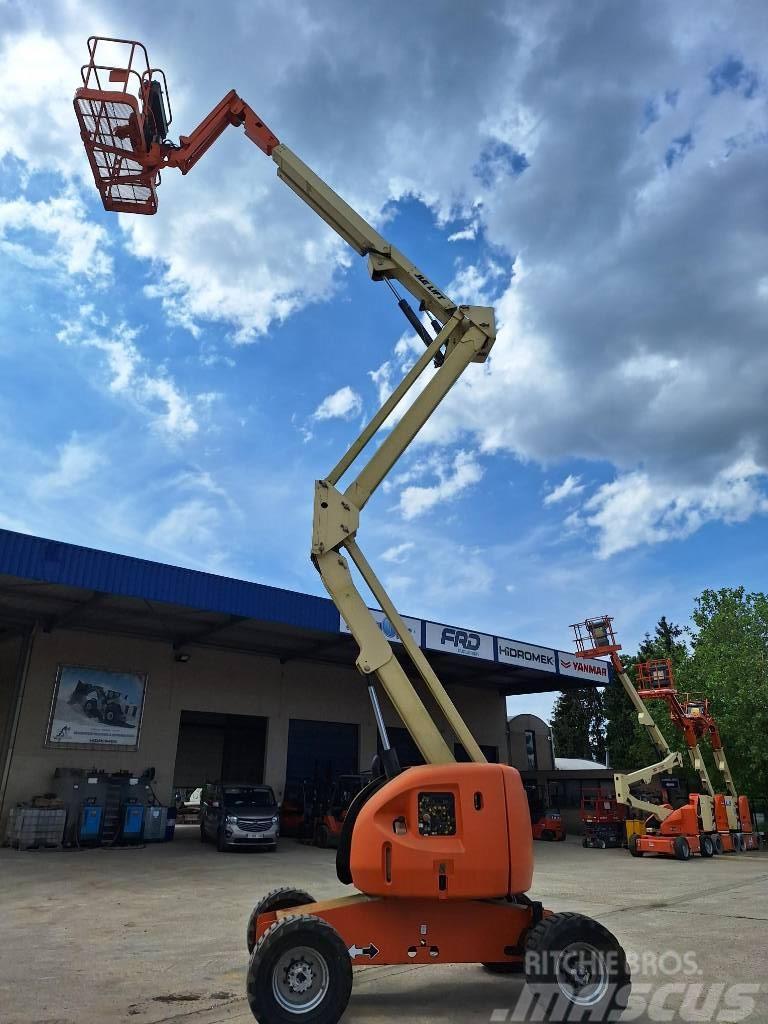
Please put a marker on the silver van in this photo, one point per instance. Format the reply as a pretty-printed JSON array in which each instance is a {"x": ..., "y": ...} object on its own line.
[{"x": 239, "y": 814}]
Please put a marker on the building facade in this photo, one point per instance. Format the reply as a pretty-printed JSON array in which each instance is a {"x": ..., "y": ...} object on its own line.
[{"x": 115, "y": 664}]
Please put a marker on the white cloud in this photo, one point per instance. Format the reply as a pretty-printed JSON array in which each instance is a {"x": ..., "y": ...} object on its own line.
[
  {"x": 465, "y": 471},
  {"x": 186, "y": 526},
  {"x": 466, "y": 234},
  {"x": 637, "y": 509},
  {"x": 569, "y": 487},
  {"x": 64, "y": 239},
  {"x": 152, "y": 391},
  {"x": 396, "y": 554},
  {"x": 343, "y": 404},
  {"x": 77, "y": 462}
]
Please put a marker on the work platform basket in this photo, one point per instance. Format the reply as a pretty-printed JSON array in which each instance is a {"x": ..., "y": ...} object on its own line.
[{"x": 122, "y": 109}]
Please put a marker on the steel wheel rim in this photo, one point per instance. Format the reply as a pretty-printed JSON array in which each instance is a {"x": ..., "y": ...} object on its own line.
[
  {"x": 581, "y": 974},
  {"x": 300, "y": 979}
]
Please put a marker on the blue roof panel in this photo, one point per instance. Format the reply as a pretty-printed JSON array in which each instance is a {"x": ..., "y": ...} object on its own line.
[{"x": 51, "y": 561}]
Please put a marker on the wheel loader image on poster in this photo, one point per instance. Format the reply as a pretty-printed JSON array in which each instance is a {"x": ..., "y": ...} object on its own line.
[
  {"x": 106, "y": 705},
  {"x": 439, "y": 857}
]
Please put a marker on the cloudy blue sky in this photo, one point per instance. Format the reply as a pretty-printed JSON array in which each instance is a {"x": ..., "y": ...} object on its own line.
[{"x": 171, "y": 386}]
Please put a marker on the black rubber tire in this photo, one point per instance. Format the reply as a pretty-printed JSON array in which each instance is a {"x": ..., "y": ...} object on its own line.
[
  {"x": 112, "y": 714},
  {"x": 221, "y": 843},
  {"x": 585, "y": 843},
  {"x": 505, "y": 968},
  {"x": 548, "y": 835},
  {"x": 601, "y": 843},
  {"x": 544, "y": 947},
  {"x": 286, "y": 934},
  {"x": 633, "y": 847},
  {"x": 90, "y": 708},
  {"x": 717, "y": 842},
  {"x": 285, "y": 898},
  {"x": 682, "y": 848},
  {"x": 706, "y": 846}
]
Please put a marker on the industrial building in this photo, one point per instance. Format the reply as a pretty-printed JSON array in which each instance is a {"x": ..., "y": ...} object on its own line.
[{"x": 117, "y": 664}]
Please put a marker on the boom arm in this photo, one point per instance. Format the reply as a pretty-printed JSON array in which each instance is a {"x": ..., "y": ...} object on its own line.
[{"x": 465, "y": 334}]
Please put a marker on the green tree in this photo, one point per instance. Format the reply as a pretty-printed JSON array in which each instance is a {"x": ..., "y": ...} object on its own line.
[
  {"x": 730, "y": 666},
  {"x": 578, "y": 724}
]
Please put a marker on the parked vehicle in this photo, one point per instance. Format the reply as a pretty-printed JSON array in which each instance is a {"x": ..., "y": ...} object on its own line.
[{"x": 239, "y": 814}]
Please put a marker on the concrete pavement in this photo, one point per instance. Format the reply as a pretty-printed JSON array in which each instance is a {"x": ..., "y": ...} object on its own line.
[{"x": 158, "y": 934}]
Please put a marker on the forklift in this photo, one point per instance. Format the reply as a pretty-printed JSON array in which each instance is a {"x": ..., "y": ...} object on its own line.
[
  {"x": 546, "y": 821},
  {"x": 440, "y": 855}
]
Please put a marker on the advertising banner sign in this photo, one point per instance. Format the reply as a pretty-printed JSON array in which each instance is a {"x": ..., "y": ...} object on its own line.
[
  {"x": 584, "y": 668},
  {"x": 512, "y": 652},
  {"x": 96, "y": 707},
  {"x": 456, "y": 640},
  {"x": 386, "y": 627}
]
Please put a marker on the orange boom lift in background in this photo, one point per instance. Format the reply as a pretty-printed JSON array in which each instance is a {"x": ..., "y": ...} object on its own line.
[
  {"x": 441, "y": 855},
  {"x": 707, "y": 824}
]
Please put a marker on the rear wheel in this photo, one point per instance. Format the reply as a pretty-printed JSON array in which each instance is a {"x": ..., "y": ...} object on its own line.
[
  {"x": 601, "y": 844},
  {"x": 717, "y": 843},
  {"x": 682, "y": 848},
  {"x": 633, "y": 848},
  {"x": 548, "y": 835},
  {"x": 573, "y": 958},
  {"x": 706, "y": 846},
  {"x": 300, "y": 970},
  {"x": 279, "y": 899}
]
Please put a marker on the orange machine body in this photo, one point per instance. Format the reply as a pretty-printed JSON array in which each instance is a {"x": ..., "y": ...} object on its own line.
[
  {"x": 381, "y": 932},
  {"x": 445, "y": 832},
  {"x": 681, "y": 822}
]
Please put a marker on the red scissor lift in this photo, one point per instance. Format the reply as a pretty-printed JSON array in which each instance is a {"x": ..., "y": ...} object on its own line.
[{"x": 603, "y": 819}]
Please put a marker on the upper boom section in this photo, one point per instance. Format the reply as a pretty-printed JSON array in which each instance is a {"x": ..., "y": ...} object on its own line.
[{"x": 124, "y": 116}]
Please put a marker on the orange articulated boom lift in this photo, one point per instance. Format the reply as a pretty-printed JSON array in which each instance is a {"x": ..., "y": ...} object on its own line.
[
  {"x": 672, "y": 832},
  {"x": 441, "y": 855},
  {"x": 691, "y": 714}
]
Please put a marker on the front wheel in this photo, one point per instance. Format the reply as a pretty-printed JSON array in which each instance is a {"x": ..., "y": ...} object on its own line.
[
  {"x": 706, "y": 846},
  {"x": 300, "y": 970},
  {"x": 548, "y": 835},
  {"x": 573, "y": 958},
  {"x": 717, "y": 843},
  {"x": 285, "y": 898},
  {"x": 682, "y": 848},
  {"x": 633, "y": 847}
]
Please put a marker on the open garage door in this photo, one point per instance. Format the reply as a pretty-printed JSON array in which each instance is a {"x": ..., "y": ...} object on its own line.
[
  {"x": 321, "y": 750},
  {"x": 213, "y": 747}
]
